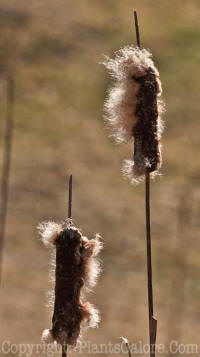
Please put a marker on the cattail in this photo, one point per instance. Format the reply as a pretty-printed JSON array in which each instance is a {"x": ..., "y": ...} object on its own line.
[
  {"x": 133, "y": 111},
  {"x": 76, "y": 267},
  {"x": 133, "y": 108}
]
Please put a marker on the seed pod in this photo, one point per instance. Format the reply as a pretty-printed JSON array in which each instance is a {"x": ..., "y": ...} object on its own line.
[
  {"x": 133, "y": 108},
  {"x": 76, "y": 267}
]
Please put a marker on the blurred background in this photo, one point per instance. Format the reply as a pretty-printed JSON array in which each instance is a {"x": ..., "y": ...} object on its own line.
[{"x": 53, "y": 50}]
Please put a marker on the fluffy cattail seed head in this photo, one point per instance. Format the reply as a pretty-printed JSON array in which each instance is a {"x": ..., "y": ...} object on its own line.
[
  {"x": 76, "y": 267},
  {"x": 133, "y": 108}
]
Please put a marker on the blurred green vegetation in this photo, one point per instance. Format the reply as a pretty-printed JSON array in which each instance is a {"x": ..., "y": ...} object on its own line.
[{"x": 54, "y": 50}]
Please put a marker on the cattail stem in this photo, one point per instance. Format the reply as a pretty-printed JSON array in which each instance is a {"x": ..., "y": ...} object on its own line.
[
  {"x": 127, "y": 346},
  {"x": 70, "y": 198},
  {"x": 6, "y": 164},
  {"x": 152, "y": 321},
  {"x": 64, "y": 347},
  {"x": 148, "y": 236},
  {"x": 64, "y": 351}
]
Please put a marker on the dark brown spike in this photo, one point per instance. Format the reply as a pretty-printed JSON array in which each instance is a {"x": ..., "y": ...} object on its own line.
[
  {"x": 70, "y": 197},
  {"x": 137, "y": 30}
]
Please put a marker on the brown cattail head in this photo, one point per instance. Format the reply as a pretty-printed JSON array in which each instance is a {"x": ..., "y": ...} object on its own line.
[
  {"x": 76, "y": 267},
  {"x": 133, "y": 108}
]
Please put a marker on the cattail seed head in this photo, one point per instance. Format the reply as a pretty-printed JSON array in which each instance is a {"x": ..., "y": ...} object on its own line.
[
  {"x": 76, "y": 267},
  {"x": 133, "y": 108}
]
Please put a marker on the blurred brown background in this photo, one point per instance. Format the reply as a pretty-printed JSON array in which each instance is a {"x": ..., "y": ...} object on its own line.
[{"x": 53, "y": 50}]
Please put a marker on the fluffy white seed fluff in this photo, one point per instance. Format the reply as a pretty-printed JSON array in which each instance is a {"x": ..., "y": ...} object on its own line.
[
  {"x": 47, "y": 337},
  {"x": 94, "y": 267},
  {"x": 98, "y": 245},
  {"x": 121, "y": 102},
  {"x": 125, "y": 340},
  {"x": 94, "y": 318},
  {"x": 129, "y": 173},
  {"x": 49, "y": 232}
]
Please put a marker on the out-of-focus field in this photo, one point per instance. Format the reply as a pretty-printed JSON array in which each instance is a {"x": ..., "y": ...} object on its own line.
[{"x": 54, "y": 49}]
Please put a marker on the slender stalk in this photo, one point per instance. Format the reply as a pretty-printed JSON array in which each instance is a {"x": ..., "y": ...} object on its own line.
[
  {"x": 148, "y": 236},
  {"x": 137, "y": 29},
  {"x": 152, "y": 321},
  {"x": 64, "y": 350},
  {"x": 64, "y": 347},
  {"x": 6, "y": 165},
  {"x": 70, "y": 198},
  {"x": 126, "y": 341}
]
